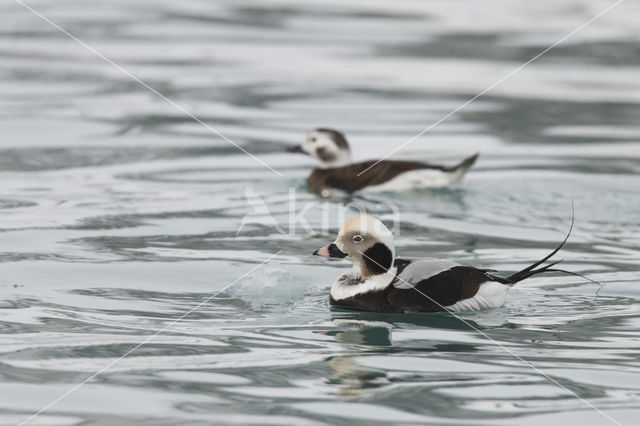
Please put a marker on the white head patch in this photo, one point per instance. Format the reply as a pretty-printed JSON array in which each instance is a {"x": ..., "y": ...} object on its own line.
[
  {"x": 330, "y": 147},
  {"x": 367, "y": 225}
]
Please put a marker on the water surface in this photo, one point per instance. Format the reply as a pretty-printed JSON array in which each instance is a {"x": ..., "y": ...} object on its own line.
[{"x": 119, "y": 213}]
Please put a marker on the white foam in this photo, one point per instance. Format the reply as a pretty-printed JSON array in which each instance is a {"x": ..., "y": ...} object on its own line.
[{"x": 272, "y": 284}]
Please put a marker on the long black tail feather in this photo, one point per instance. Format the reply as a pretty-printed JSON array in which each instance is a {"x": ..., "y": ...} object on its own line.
[
  {"x": 524, "y": 274},
  {"x": 576, "y": 275},
  {"x": 531, "y": 270}
]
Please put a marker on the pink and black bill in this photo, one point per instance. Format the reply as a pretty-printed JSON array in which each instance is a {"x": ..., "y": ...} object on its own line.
[{"x": 331, "y": 250}]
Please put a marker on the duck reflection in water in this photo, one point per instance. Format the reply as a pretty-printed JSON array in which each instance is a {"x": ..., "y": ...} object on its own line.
[
  {"x": 366, "y": 334},
  {"x": 356, "y": 380}
]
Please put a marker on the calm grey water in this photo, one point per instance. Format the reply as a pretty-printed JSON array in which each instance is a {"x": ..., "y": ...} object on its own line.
[{"x": 119, "y": 213}]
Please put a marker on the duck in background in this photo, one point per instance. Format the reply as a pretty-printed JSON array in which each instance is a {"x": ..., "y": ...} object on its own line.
[
  {"x": 338, "y": 176},
  {"x": 380, "y": 282}
]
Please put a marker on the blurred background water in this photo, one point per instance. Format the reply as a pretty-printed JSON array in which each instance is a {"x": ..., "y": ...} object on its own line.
[{"x": 120, "y": 213}]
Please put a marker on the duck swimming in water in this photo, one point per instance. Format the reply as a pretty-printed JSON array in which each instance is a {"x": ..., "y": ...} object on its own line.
[
  {"x": 380, "y": 282},
  {"x": 338, "y": 176}
]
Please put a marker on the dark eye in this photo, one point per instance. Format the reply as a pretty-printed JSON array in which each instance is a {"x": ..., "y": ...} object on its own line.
[
  {"x": 357, "y": 239},
  {"x": 313, "y": 139}
]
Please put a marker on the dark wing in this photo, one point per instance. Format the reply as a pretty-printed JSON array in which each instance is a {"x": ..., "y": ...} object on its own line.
[
  {"x": 435, "y": 292},
  {"x": 346, "y": 178}
]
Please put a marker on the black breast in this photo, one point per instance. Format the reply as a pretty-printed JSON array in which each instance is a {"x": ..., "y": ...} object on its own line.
[{"x": 372, "y": 302}]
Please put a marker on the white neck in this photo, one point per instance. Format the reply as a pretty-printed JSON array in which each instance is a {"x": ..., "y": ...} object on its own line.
[
  {"x": 352, "y": 283},
  {"x": 356, "y": 270}
]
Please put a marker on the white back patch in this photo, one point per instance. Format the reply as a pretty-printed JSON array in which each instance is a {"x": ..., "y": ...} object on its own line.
[
  {"x": 490, "y": 295},
  {"x": 343, "y": 289},
  {"x": 421, "y": 270}
]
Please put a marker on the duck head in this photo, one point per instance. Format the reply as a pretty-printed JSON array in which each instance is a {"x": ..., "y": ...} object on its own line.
[
  {"x": 367, "y": 243},
  {"x": 329, "y": 146}
]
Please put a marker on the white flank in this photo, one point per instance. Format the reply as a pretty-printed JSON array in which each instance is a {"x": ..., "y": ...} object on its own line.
[
  {"x": 429, "y": 178},
  {"x": 490, "y": 295}
]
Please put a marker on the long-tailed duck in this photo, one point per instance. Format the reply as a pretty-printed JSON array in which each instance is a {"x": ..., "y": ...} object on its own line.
[
  {"x": 379, "y": 282},
  {"x": 338, "y": 176}
]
